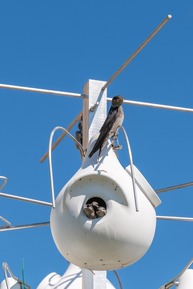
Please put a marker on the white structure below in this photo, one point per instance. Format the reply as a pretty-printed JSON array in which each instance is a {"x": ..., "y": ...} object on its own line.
[
  {"x": 75, "y": 278},
  {"x": 186, "y": 280},
  {"x": 117, "y": 239}
]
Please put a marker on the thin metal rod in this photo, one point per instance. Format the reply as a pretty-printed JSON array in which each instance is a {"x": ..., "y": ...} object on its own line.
[
  {"x": 28, "y": 226},
  {"x": 25, "y": 199},
  {"x": 155, "y": 105},
  {"x": 7, "y": 223},
  {"x": 40, "y": 90},
  {"x": 50, "y": 158},
  {"x": 176, "y": 187},
  {"x": 173, "y": 281},
  {"x": 173, "y": 218},
  {"x": 118, "y": 279},
  {"x": 132, "y": 169},
  {"x": 6, "y": 269},
  {"x": 77, "y": 118},
  {"x": 136, "y": 52},
  {"x": 4, "y": 181}
]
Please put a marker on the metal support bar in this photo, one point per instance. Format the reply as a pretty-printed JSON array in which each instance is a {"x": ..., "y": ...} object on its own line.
[
  {"x": 77, "y": 118},
  {"x": 28, "y": 226},
  {"x": 93, "y": 119},
  {"x": 40, "y": 90},
  {"x": 25, "y": 199},
  {"x": 136, "y": 52},
  {"x": 176, "y": 187},
  {"x": 4, "y": 181},
  {"x": 155, "y": 105},
  {"x": 94, "y": 280},
  {"x": 7, "y": 270},
  {"x": 7, "y": 223},
  {"x": 172, "y": 218},
  {"x": 173, "y": 282}
]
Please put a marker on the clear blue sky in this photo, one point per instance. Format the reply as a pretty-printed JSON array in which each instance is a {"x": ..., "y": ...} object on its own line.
[{"x": 60, "y": 45}]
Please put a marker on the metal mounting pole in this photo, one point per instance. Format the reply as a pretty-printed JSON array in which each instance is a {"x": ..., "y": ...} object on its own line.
[
  {"x": 93, "y": 119},
  {"x": 92, "y": 122}
]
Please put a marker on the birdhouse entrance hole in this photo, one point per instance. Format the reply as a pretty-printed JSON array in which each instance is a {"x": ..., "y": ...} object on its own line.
[{"x": 95, "y": 208}]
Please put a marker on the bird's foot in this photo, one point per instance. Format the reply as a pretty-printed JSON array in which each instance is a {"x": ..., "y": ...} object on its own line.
[{"x": 117, "y": 147}]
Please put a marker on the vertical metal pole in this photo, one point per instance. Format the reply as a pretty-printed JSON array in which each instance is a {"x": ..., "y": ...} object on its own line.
[
  {"x": 95, "y": 280},
  {"x": 93, "y": 120}
]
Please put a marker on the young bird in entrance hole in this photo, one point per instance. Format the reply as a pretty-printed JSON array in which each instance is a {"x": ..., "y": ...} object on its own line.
[{"x": 111, "y": 125}]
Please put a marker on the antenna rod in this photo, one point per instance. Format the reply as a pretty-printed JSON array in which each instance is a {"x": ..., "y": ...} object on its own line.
[
  {"x": 136, "y": 52},
  {"x": 40, "y": 90}
]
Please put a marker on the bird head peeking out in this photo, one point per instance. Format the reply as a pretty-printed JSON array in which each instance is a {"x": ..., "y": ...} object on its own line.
[
  {"x": 117, "y": 101},
  {"x": 111, "y": 125}
]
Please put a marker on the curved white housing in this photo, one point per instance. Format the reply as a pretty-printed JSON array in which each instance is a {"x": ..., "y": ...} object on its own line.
[
  {"x": 186, "y": 280},
  {"x": 72, "y": 279},
  {"x": 12, "y": 283},
  {"x": 119, "y": 238}
]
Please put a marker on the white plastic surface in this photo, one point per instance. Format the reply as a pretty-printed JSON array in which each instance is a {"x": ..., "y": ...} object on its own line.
[
  {"x": 12, "y": 283},
  {"x": 114, "y": 241},
  {"x": 73, "y": 279},
  {"x": 145, "y": 187},
  {"x": 186, "y": 280}
]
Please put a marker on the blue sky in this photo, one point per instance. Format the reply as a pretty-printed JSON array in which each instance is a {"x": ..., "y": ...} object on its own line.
[{"x": 60, "y": 45}]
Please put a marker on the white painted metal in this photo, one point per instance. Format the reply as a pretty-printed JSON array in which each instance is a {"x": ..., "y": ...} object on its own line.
[
  {"x": 93, "y": 120},
  {"x": 77, "y": 118},
  {"x": 95, "y": 280},
  {"x": 186, "y": 280},
  {"x": 176, "y": 187},
  {"x": 4, "y": 179},
  {"x": 144, "y": 186},
  {"x": 28, "y": 226},
  {"x": 74, "y": 278},
  {"x": 50, "y": 157},
  {"x": 40, "y": 90},
  {"x": 174, "y": 218},
  {"x": 10, "y": 283},
  {"x": 132, "y": 174},
  {"x": 175, "y": 282},
  {"x": 155, "y": 105},
  {"x": 15, "y": 197},
  {"x": 118, "y": 239},
  {"x": 136, "y": 52}
]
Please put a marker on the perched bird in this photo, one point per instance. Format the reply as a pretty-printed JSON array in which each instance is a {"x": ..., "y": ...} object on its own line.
[
  {"x": 89, "y": 211},
  {"x": 101, "y": 212},
  {"x": 111, "y": 125},
  {"x": 93, "y": 210}
]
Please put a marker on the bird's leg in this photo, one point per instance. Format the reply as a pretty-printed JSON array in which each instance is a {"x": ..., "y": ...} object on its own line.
[{"x": 115, "y": 139}]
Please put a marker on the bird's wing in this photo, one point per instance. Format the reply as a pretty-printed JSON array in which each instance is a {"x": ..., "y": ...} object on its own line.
[
  {"x": 111, "y": 117},
  {"x": 104, "y": 131}
]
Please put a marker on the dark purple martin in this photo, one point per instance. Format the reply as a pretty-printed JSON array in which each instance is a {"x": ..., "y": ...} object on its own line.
[{"x": 111, "y": 125}]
